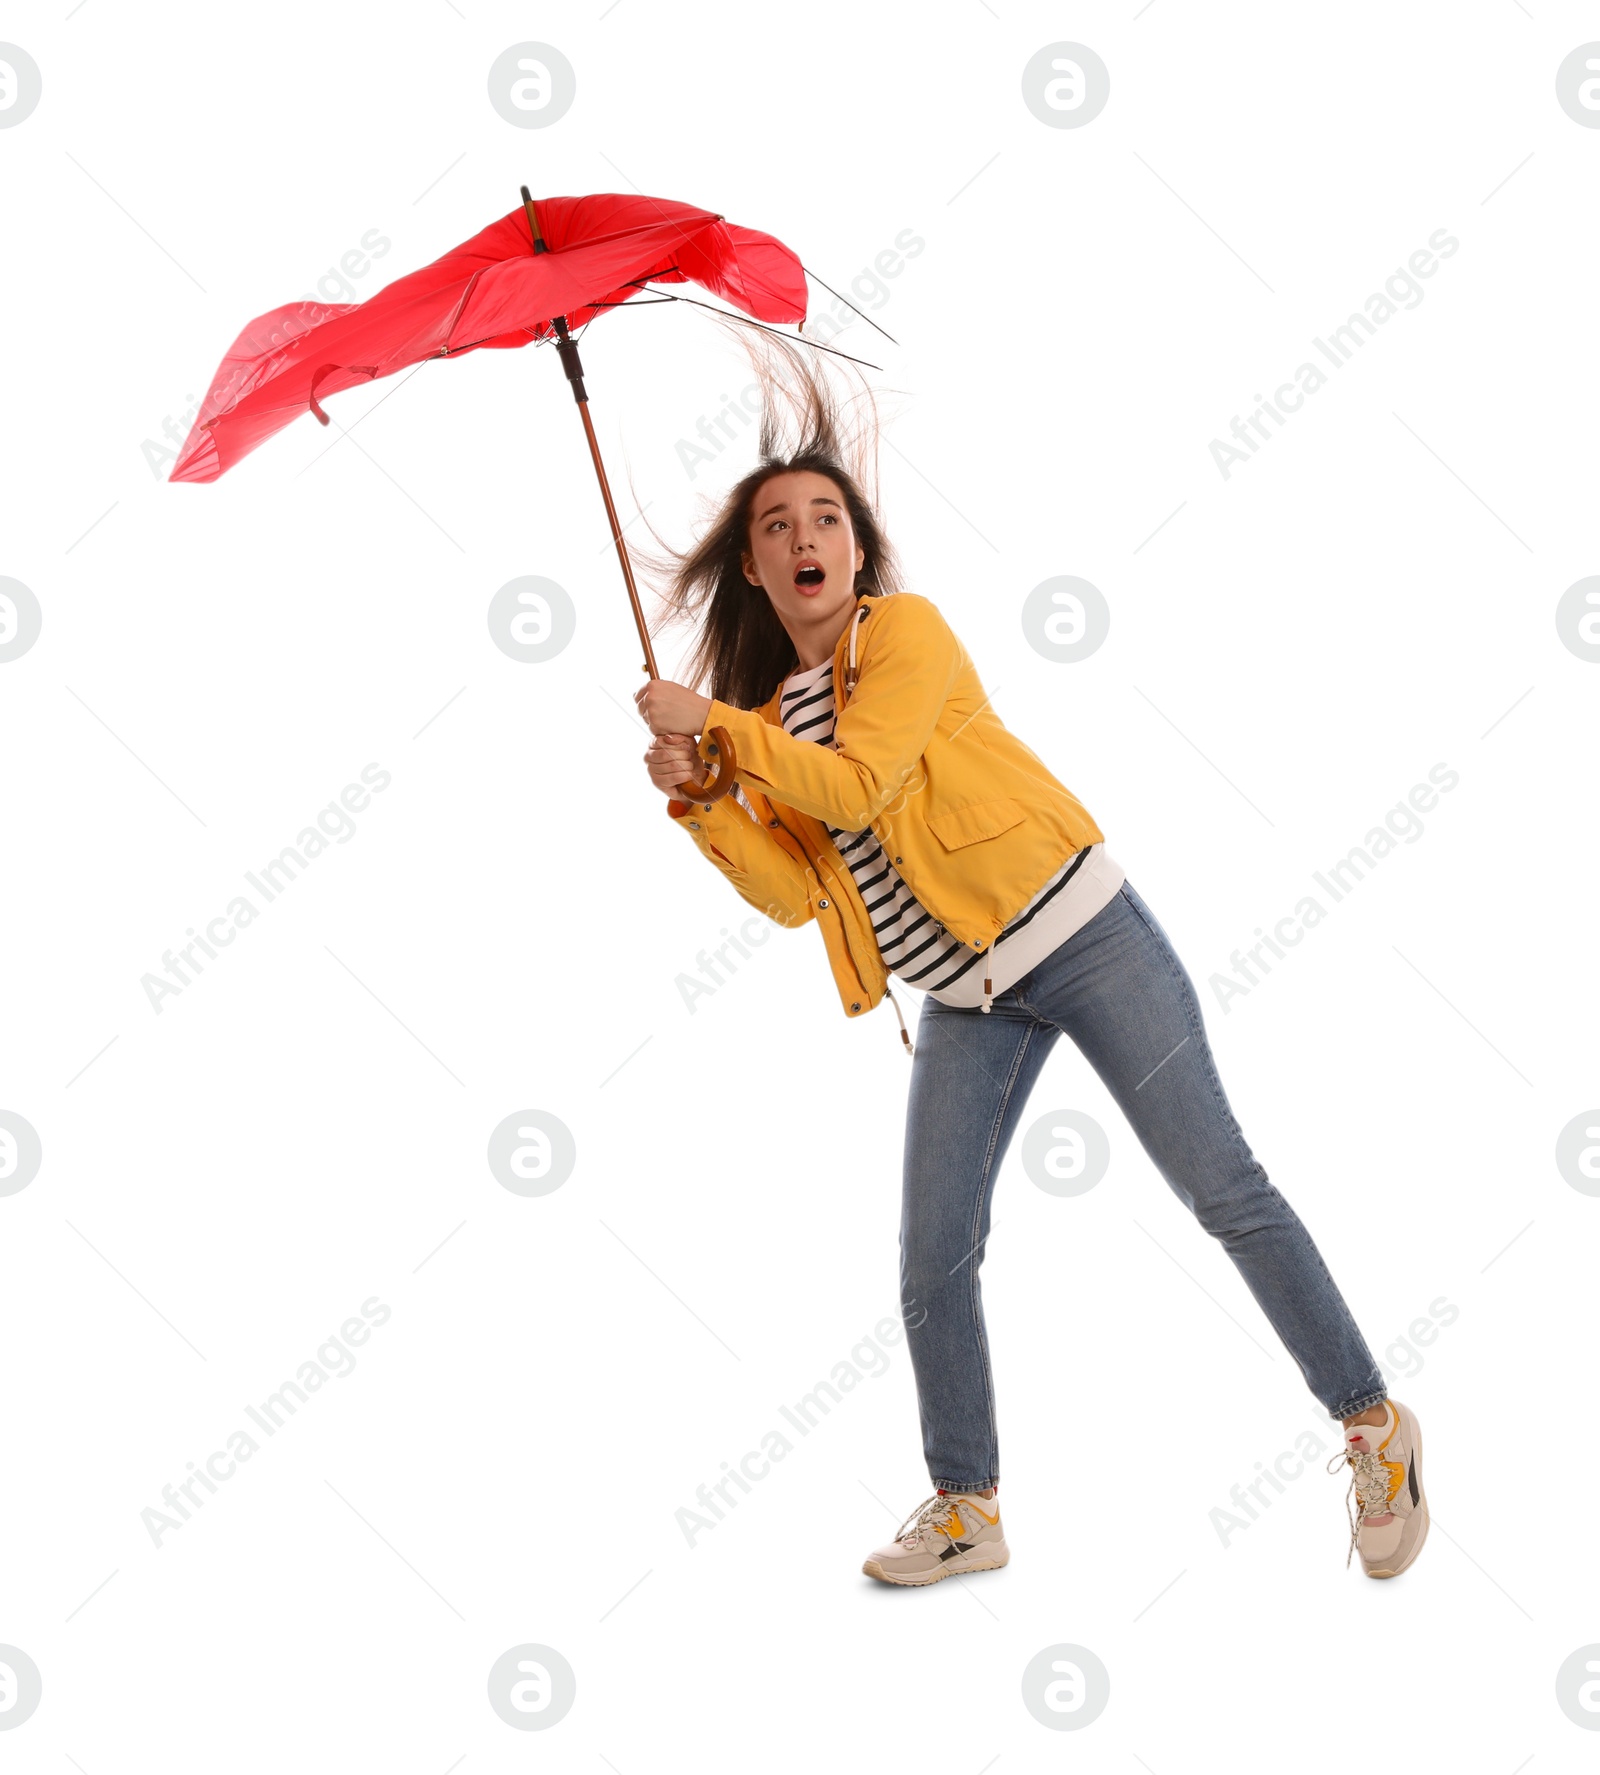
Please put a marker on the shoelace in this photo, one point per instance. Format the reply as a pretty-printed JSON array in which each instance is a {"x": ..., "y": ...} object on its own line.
[
  {"x": 1369, "y": 1486},
  {"x": 934, "y": 1514}
]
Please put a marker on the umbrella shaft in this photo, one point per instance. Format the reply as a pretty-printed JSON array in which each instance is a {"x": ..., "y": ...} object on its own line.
[
  {"x": 567, "y": 347},
  {"x": 616, "y": 537}
]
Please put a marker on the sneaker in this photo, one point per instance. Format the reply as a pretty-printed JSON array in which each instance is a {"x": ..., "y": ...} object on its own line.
[
  {"x": 952, "y": 1532},
  {"x": 1390, "y": 1521}
]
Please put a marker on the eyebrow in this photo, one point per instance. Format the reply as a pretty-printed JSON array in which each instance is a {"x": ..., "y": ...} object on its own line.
[{"x": 821, "y": 499}]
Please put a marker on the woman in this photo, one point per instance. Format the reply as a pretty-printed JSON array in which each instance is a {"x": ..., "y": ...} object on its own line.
[{"x": 879, "y": 794}]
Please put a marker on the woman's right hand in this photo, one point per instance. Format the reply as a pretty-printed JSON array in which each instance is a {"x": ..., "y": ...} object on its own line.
[{"x": 673, "y": 758}]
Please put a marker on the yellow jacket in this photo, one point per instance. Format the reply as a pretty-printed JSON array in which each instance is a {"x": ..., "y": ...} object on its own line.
[{"x": 971, "y": 818}]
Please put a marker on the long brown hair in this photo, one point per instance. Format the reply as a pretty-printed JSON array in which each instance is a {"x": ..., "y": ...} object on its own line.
[{"x": 741, "y": 644}]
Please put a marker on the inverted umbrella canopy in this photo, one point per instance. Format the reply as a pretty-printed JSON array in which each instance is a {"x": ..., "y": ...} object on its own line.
[
  {"x": 536, "y": 273},
  {"x": 495, "y": 290}
]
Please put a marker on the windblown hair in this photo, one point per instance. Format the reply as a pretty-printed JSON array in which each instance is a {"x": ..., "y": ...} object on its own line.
[{"x": 805, "y": 425}]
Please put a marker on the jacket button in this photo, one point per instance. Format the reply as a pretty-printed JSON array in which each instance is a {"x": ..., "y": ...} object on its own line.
[
  {"x": 695, "y": 824},
  {"x": 855, "y": 1007},
  {"x": 822, "y": 902},
  {"x": 772, "y": 822},
  {"x": 899, "y": 859}
]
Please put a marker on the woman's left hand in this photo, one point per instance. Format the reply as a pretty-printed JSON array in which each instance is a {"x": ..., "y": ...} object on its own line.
[{"x": 671, "y": 708}]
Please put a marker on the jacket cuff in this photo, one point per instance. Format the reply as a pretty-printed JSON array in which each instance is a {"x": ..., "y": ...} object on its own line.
[
  {"x": 726, "y": 715},
  {"x": 681, "y": 811}
]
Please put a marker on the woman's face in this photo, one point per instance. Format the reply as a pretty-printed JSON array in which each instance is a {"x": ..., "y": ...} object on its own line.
[{"x": 803, "y": 549}]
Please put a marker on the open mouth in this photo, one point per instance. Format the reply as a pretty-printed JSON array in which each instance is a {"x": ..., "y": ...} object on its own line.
[{"x": 809, "y": 575}]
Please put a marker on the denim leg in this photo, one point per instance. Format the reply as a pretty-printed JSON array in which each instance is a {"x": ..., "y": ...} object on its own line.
[
  {"x": 970, "y": 1078},
  {"x": 1119, "y": 990}
]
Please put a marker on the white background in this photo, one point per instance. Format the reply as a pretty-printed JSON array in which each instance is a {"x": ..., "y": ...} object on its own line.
[{"x": 305, "y": 1127}]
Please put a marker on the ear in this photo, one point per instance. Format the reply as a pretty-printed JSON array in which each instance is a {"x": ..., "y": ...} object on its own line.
[
  {"x": 746, "y": 562},
  {"x": 861, "y": 556}
]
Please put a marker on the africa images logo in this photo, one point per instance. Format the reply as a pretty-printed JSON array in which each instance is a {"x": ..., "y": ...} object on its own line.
[{"x": 1400, "y": 290}]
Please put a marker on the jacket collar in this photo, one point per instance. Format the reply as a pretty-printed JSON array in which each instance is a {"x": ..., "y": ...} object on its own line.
[{"x": 846, "y": 651}]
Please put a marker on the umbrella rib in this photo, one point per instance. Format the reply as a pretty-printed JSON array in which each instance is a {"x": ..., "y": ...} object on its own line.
[
  {"x": 794, "y": 338},
  {"x": 711, "y": 308},
  {"x": 451, "y": 350},
  {"x": 850, "y": 305},
  {"x": 632, "y": 284},
  {"x": 633, "y": 302},
  {"x": 460, "y": 308}
]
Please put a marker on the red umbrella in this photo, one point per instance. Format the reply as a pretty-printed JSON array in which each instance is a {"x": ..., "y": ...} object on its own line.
[{"x": 536, "y": 273}]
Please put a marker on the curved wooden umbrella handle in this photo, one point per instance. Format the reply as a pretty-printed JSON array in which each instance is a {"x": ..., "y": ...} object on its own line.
[{"x": 723, "y": 764}]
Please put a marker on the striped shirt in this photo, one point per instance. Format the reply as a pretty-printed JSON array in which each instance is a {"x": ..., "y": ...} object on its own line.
[{"x": 915, "y": 947}]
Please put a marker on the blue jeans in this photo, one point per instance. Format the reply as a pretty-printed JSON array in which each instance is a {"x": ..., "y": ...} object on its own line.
[{"x": 1118, "y": 989}]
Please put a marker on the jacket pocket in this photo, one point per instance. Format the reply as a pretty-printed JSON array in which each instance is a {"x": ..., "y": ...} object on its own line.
[{"x": 956, "y": 826}]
